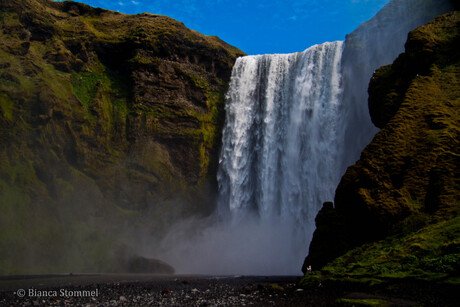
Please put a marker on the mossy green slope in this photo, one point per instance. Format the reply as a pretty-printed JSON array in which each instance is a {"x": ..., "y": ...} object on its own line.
[
  {"x": 104, "y": 117},
  {"x": 397, "y": 209}
]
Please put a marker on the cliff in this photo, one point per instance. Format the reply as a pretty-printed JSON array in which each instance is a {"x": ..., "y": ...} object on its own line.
[
  {"x": 108, "y": 122},
  {"x": 375, "y": 43},
  {"x": 397, "y": 209}
]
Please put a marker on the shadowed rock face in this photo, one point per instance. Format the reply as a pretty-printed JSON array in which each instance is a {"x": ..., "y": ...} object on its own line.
[
  {"x": 142, "y": 265},
  {"x": 410, "y": 168},
  {"x": 103, "y": 116}
]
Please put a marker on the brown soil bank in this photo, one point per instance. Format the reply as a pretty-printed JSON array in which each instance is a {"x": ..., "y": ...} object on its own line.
[
  {"x": 396, "y": 212},
  {"x": 107, "y": 121}
]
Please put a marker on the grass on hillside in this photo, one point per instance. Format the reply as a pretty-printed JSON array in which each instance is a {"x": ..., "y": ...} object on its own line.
[{"x": 431, "y": 253}]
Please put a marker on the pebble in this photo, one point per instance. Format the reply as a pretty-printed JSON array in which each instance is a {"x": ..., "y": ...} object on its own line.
[{"x": 243, "y": 291}]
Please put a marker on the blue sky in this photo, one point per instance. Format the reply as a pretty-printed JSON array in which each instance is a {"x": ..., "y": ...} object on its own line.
[{"x": 257, "y": 27}]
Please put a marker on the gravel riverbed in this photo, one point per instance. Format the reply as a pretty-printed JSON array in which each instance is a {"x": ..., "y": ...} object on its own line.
[{"x": 208, "y": 291}]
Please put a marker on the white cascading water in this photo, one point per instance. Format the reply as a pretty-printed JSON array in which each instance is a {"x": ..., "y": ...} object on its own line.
[{"x": 281, "y": 141}]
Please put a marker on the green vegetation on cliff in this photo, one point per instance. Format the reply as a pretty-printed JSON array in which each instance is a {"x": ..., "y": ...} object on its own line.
[
  {"x": 397, "y": 209},
  {"x": 107, "y": 122}
]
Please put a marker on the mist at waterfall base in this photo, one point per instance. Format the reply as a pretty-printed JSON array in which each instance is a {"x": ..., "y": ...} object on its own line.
[
  {"x": 245, "y": 247},
  {"x": 278, "y": 164}
]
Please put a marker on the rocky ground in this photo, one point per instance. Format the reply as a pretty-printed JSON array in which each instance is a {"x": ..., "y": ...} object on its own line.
[{"x": 223, "y": 291}]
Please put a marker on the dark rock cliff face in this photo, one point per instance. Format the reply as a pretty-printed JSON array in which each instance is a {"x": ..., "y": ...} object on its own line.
[
  {"x": 406, "y": 184},
  {"x": 104, "y": 116}
]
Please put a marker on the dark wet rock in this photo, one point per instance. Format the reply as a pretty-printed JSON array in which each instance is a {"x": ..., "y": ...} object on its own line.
[
  {"x": 138, "y": 264},
  {"x": 328, "y": 238}
]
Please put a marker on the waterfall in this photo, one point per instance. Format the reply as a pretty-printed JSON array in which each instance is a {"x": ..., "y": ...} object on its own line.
[{"x": 281, "y": 140}]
